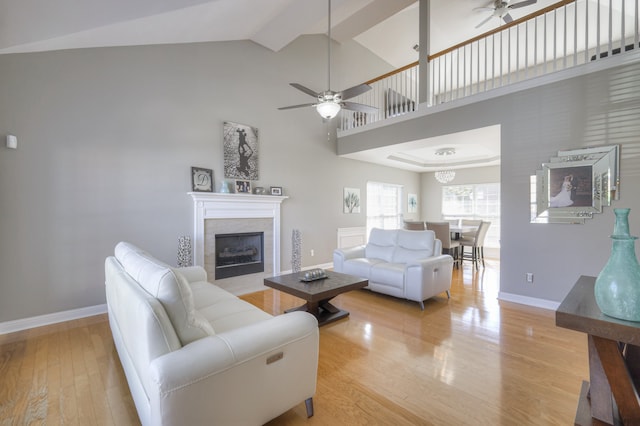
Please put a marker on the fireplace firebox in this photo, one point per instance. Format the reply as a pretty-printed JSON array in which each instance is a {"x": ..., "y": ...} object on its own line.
[{"x": 239, "y": 254}]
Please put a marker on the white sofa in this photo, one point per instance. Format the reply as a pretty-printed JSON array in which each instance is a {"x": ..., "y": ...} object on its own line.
[
  {"x": 194, "y": 354},
  {"x": 400, "y": 263}
]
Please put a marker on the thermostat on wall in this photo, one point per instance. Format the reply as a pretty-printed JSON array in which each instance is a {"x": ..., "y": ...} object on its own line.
[{"x": 12, "y": 142}]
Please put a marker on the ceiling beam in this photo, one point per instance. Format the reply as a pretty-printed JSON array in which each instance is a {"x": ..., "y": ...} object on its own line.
[{"x": 367, "y": 17}]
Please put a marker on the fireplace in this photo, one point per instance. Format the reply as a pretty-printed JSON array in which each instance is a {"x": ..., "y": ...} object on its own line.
[
  {"x": 239, "y": 254},
  {"x": 217, "y": 213}
]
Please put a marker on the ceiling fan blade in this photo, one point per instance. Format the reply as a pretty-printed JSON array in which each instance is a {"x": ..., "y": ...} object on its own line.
[
  {"x": 297, "y": 106},
  {"x": 489, "y": 9},
  {"x": 522, "y": 4},
  {"x": 484, "y": 21},
  {"x": 355, "y": 91},
  {"x": 305, "y": 89},
  {"x": 353, "y": 106},
  {"x": 507, "y": 18}
]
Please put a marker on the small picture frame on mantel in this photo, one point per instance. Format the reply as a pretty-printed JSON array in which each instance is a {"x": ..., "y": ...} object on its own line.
[
  {"x": 201, "y": 179},
  {"x": 276, "y": 190},
  {"x": 243, "y": 186}
]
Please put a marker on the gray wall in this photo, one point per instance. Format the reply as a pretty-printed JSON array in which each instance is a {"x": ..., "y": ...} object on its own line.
[
  {"x": 599, "y": 108},
  {"x": 106, "y": 139}
]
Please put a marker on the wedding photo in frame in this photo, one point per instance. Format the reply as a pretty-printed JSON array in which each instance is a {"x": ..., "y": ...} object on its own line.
[
  {"x": 576, "y": 184},
  {"x": 570, "y": 186},
  {"x": 240, "y": 143}
]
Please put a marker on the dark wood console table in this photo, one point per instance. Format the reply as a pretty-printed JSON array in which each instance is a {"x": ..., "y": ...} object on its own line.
[{"x": 611, "y": 396}]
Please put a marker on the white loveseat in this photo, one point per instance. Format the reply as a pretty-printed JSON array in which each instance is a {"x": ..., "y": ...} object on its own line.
[
  {"x": 400, "y": 263},
  {"x": 194, "y": 354}
]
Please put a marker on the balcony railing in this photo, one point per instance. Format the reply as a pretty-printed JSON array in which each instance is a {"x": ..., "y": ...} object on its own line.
[
  {"x": 564, "y": 35},
  {"x": 394, "y": 94}
]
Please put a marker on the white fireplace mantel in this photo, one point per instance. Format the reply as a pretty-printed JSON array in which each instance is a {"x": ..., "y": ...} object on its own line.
[{"x": 210, "y": 205}]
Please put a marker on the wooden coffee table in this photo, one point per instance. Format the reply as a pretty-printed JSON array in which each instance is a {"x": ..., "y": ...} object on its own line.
[{"x": 317, "y": 293}]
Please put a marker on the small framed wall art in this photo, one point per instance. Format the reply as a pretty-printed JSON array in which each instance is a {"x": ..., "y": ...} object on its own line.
[
  {"x": 351, "y": 200},
  {"x": 412, "y": 203},
  {"x": 201, "y": 179},
  {"x": 276, "y": 190},
  {"x": 243, "y": 186}
]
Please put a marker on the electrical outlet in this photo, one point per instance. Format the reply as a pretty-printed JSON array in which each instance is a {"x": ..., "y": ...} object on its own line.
[
  {"x": 313, "y": 253},
  {"x": 529, "y": 277}
]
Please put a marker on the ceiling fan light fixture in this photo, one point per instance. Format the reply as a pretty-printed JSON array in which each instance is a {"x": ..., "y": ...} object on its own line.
[
  {"x": 329, "y": 102},
  {"x": 328, "y": 109},
  {"x": 445, "y": 176}
]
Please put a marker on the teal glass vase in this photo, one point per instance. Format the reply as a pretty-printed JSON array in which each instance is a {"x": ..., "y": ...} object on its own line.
[{"x": 617, "y": 288}]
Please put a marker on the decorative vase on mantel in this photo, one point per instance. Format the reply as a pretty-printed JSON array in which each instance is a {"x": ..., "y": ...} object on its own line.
[{"x": 617, "y": 288}]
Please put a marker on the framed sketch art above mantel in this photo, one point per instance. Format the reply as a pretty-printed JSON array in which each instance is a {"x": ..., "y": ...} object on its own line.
[
  {"x": 575, "y": 185},
  {"x": 240, "y": 144}
]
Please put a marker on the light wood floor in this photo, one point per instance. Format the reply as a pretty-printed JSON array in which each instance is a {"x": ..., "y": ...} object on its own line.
[{"x": 467, "y": 360}]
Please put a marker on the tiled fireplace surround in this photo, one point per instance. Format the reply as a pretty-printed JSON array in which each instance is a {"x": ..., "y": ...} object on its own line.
[{"x": 230, "y": 213}]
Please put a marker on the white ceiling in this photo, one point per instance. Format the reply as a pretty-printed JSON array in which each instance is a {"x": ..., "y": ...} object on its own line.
[
  {"x": 473, "y": 148},
  {"x": 389, "y": 28}
]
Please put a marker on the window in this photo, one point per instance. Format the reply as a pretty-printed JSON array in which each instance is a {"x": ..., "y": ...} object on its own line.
[
  {"x": 384, "y": 206},
  {"x": 480, "y": 202}
]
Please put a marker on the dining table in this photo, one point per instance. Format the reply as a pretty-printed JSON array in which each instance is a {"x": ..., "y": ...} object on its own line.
[{"x": 457, "y": 230}]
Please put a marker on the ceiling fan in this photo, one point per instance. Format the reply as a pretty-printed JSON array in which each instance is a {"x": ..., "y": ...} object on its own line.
[
  {"x": 329, "y": 102},
  {"x": 501, "y": 10}
]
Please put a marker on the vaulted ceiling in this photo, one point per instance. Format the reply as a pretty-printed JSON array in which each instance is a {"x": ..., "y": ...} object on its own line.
[{"x": 388, "y": 28}]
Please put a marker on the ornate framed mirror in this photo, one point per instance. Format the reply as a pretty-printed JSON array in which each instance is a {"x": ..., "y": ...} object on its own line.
[{"x": 575, "y": 184}]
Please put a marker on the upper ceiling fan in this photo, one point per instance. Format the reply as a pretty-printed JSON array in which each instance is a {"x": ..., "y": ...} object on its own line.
[
  {"x": 501, "y": 10},
  {"x": 329, "y": 102}
]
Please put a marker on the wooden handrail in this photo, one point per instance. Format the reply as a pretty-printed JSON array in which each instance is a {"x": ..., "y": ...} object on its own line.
[
  {"x": 390, "y": 73},
  {"x": 476, "y": 38},
  {"x": 503, "y": 27}
]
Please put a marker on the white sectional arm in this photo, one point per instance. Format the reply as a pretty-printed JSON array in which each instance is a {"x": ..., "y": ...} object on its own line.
[
  {"x": 340, "y": 255},
  {"x": 193, "y": 273},
  {"x": 437, "y": 247},
  {"x": 259, "y": 371},
  {"x": 428, "y": 277},
  {"x": 441, "y": 259}
]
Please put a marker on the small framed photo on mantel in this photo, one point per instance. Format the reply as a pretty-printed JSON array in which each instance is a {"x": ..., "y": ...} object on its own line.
[
  {"x": 276, "y": 190},
  {"x": 243, "y": 186},
  {"x": 201, "y": 179}
]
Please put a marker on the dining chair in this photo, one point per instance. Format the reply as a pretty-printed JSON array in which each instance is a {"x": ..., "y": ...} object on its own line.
[
  {"x": 414, "y": 225},
  {"x": 470, "y": 222},
  {"x": 476, "y": 243},
  {"x": 443, "y": 233}
]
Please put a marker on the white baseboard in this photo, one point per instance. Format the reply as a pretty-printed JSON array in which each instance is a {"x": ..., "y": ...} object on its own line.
[
  {"x": 56, "y": 317},
  {"x": 530, "y": 301}
]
